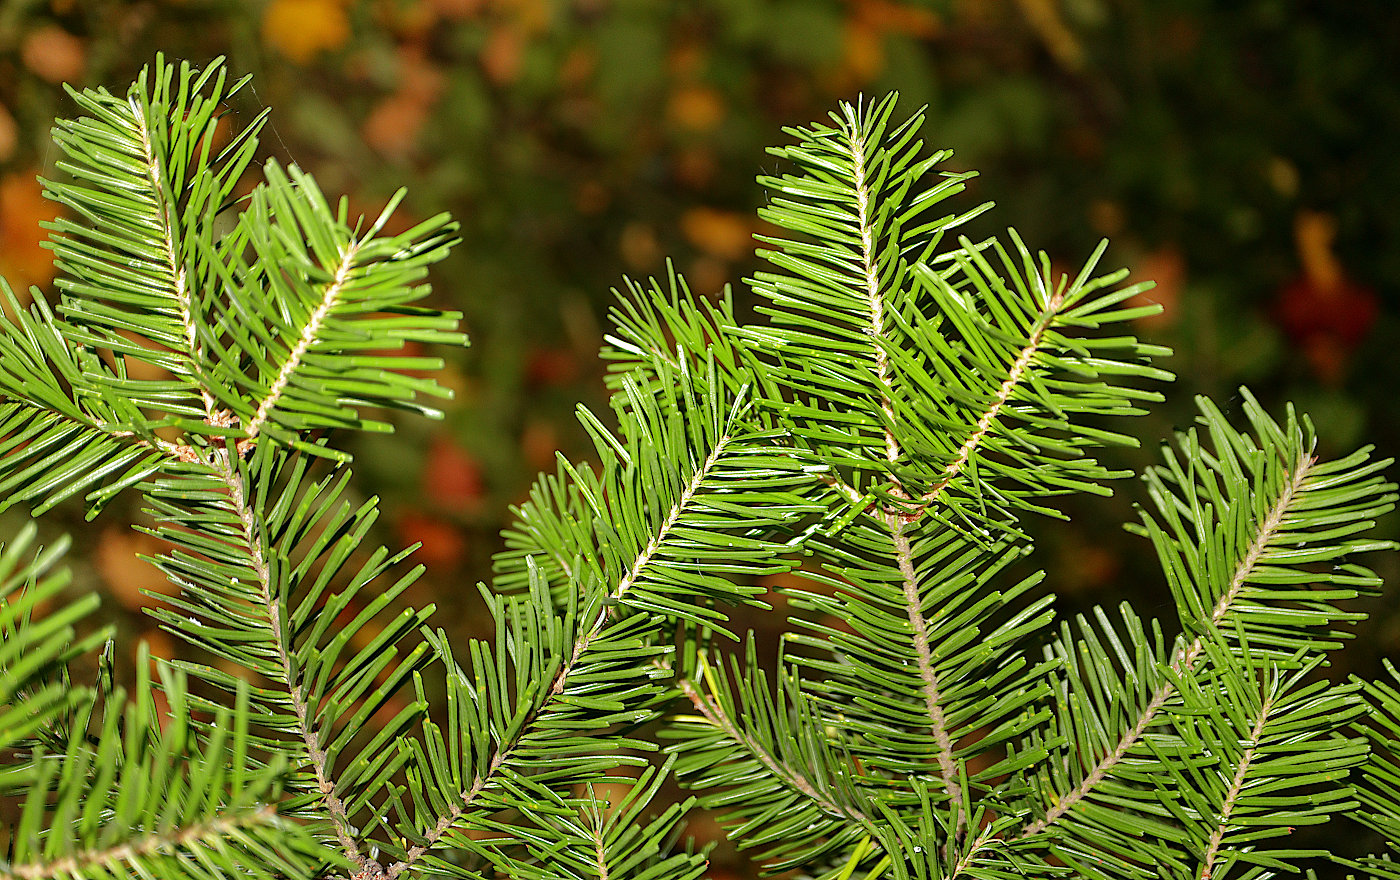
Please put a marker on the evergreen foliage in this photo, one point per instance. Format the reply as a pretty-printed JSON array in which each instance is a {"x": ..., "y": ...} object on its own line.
[{"x": 908, "y": 399}]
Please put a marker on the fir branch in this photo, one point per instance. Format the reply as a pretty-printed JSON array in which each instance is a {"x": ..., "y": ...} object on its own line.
[
  {"x": 976, "y": 435},
  {"x": 254, "y": 546},
  {"x": 61, "y": 433},
  {"x": 448, "y": 819},
  {"x": 660, "y": 333},
  {"x": 1272, "y": 735},
  {"x": 316, "y": 756},
  {"x": 49, "y": 456},
  {"x": 167, "y": 234},
  {"x": 642, "y": 542},
  {"x": 1008, "y": 387},
  {"x": 904, "y": 557},
  {"x": 715, "y": 715},
  {"x": 1227, "y": 808},
  {"x": 528, "y": 721},
  {"x": 609, "y": 605},
  {"x": 147, "y": 185},
  {"x": 310, "y": 292},
  {"x": 597, "y": 839},
  {"x": 933, "y": 701},
  {"x": 1378, "y": 785},
  {"x": 308, "y": 335},
  {"x": 1186, "y": 657},
  {"x": 600, "y": 854},
  {"x": 904, "y": 406},
  {"x": 166, "y": 841},
  {"x": 872, "y": 291},
  {"x": 616, "y": 595},
  {"x": 851, "y": 299},
  {"x": 776, "y": 769}
]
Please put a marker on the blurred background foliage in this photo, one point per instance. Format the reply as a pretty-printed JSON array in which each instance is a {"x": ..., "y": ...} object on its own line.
[{"x": 1239, "y": 152}]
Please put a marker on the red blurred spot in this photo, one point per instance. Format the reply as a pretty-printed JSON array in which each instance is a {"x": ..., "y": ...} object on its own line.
[
  {"x": 551, "y": 366},
  {"x": 1327, "y": 323},
  {"x": 443, "y": 543},
  {"x": 452, "y": 478},
  {"x": 1324, "y": 312}
]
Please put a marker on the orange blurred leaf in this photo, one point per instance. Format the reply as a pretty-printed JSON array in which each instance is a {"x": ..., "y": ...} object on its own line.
[
  {"x": 724, "y": 234},
  {"x": 393, "y": 126},
  {"x": 695, "y": 166},
  {"x": 9, "y": 134},
  {"x": 456, "y": 8},
  {"x": 707, "y": 274},
  {"x": 551, "y": 366},
  {"x": 54, "y": 54},
  {"x": 1313, "y": 233},
  {"x": 591, "y": 197},
  {"x": 1166, "y": 267},
  {"x": 696, "y": 108},
  {"x": 123, "y": 571},
  {"x": 685, "y": 58},
  {"x": 577, "y": 67},
  {"x": 890, "y": 17},
  {"x": 863, "y": 51},
  {"x": 1106, "y": 216},
  {"x": 23, "y": 261},
  {"x": 503, "y": 53},
  {"x": 538, "y": 443},
  {"x": 1324, "y": 312}
]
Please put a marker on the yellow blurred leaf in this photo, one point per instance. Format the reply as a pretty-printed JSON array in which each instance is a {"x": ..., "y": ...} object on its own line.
[
  {"x": 1061, "y": 42},
  {"x": 301, "y": 29},
  {"x": 1282, "y": 176},
  {"x": 532, "y": 16}
]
